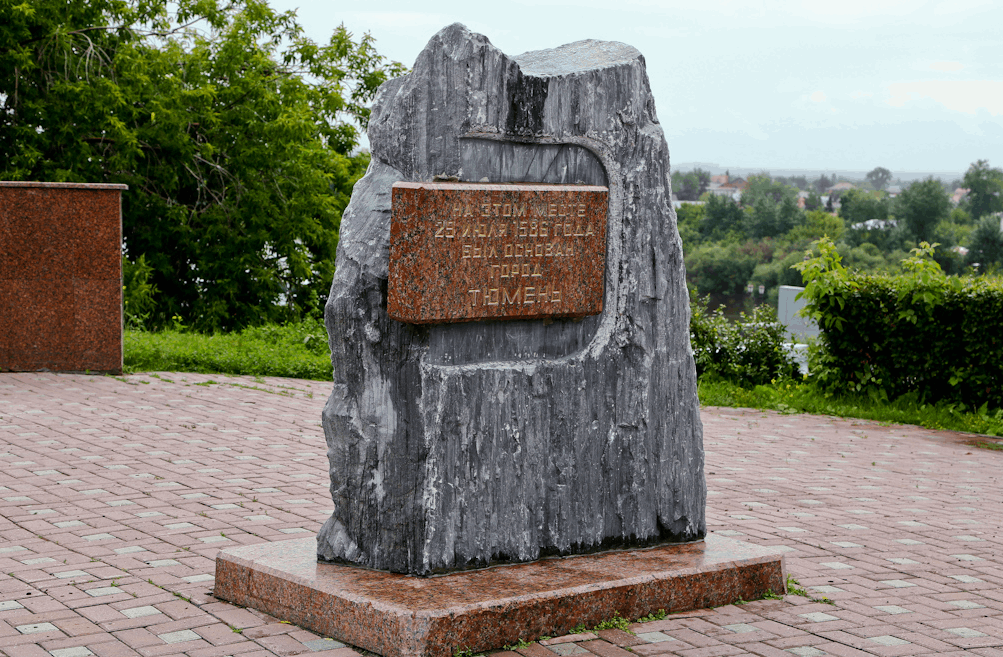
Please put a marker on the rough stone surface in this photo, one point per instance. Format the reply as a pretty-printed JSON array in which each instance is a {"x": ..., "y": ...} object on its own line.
[{"x": 460, "y": 445}]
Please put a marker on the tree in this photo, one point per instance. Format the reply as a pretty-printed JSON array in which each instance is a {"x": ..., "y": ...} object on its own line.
[
  {"x": 824, "y": 183},
  {"x": 721, "y": 216},
  {"x": 772, "y": 207},
  {"x": 690, "y": 186},
  {"x": 985, "y": 189},
  {"x": 801, "y": 182},
  {"x": 985, "y": 246},
  {"x": 813, "y": 202},
  {"x": 922, "y": 205},
  {"x": 858, "y": 206},
  {"x": 689, "y": 216},
  {"x": 233, "y": 131},
  {"x": 719, "y": 269},
  {"x": 879, "y": 177}
]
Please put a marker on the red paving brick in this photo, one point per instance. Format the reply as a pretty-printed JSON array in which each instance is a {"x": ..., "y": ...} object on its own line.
[{"x": 117, "y": 492}]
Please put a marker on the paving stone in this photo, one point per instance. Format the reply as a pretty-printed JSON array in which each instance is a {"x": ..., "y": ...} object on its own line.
[
  {"x": 566, "y": 649},
  {"x": 948, "y": 585},
  {"x": 323, "y": 644}
]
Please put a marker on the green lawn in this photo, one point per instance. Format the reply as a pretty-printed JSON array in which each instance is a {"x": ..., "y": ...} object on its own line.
[
  {"x": 293, "y": 350},
  {"x": 801, "y": 397},
  {"x": 300, "y": 351}
]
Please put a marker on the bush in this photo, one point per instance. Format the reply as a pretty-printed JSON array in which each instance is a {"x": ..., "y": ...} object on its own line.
[
  {"x": 986, "y": 244},
  {"x": 717, "y": 269},
  {"x": 137, "y": 292},
  {"x": 920, "y": 332},
  {"x": 748, "y": 353}
]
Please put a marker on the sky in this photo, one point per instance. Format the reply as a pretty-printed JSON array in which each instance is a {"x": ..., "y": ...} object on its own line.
[{"x": 829, "y": 86}]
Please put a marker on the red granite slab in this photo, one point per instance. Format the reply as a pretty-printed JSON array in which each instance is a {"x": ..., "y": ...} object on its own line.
[
  {"x": 60, "y": 277},
  {"x": 463, "y": 252},
  {"x": 403, "y": 616}
]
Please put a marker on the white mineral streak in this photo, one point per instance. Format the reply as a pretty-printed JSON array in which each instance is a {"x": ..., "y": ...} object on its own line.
[{"x": 461, "y": 445}]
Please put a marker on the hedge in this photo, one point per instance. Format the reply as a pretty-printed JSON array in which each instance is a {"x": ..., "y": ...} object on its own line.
[
  {"x": 920, "y": 332},
  {"x": 749, "y": 352}
]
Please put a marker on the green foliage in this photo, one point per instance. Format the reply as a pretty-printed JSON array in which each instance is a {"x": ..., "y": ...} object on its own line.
[
  {"x": 869, "y": 258},
  {"x": 771, "y": 207},
  {"x": 772, "y": 275},
  {"x": 768, "y": 219},
  {"x": 617, "y": 622},
  {"x": 296, "y": 350},
  {"x": 985, "y": 245},
  {"x": 807, "y": 397},
  {"x": 762, "y": 186},
  {"x": 689, "y": 218},
  {"x": 138, "y": 293},
  {"x": 232, "y": 129},
  {"x": 858, "y": 206},
  {"x": 749, "y": 352},
  {"x": 653, "y": 616},
  {"x": 823, "y": 183},
  {"x": 985, "y": 189},
  {"x": 722, "y": 215},
  {"x": 960, "y": 217},
  {"x": 921, "y": 332},
  {"x": 879, "y": 177},
  {"x": 922, "y": 205},
  {"x": 691, "y": 185},
  {"x": 816, "y": 224},
  {"x": 719, "y": 269},
  {"x": 982, "y": 444}
]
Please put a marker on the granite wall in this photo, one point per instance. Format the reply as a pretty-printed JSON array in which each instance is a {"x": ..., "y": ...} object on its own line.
[{"x": 60, "y": 277}]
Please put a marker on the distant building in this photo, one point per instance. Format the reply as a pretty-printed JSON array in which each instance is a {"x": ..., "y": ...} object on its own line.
[
  {"x": 731, "y": 187},
  {"x": 875, "y": 224},
  {"x": 719, "y": 180},
  {"x": 959, "y": 195},
  {"x": 841, "y": 187}
]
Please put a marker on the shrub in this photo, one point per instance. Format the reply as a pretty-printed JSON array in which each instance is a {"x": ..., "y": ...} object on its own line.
[
  {"x": 137, "y": 292},
  {"x": 919, "y": 332},
  {"x": 748, "y": 353},
  {"x": 717, "y": 269},
  {"x": 986, "y": 243}
]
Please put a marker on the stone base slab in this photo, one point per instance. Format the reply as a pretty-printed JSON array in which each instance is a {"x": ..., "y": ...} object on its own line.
[{"x": 404, "y": 616}]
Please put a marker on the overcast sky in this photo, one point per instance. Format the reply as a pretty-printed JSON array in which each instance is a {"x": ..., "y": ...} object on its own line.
[{"x": 849, "y": 85}]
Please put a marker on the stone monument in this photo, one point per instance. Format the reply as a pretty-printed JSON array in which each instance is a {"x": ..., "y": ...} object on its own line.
[
  {"x": 456, "y": 445},
  {"x": 513, "y": 379}
]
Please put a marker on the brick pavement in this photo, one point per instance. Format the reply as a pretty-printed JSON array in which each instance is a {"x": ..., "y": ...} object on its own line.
[{"x": 117, "y": 492}]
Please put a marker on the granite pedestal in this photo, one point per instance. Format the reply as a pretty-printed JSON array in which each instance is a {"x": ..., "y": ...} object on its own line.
[{"x": 405, "y": 616}]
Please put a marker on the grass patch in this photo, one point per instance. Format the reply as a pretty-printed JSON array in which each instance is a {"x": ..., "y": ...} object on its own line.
[
  {"x": 982, "y": 444},
  {"x": 297, "y": 351},
  {"x": 803, "y": 397}
]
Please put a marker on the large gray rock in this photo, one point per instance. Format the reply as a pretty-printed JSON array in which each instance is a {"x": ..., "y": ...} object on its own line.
[{"x": 459, "y": 445}]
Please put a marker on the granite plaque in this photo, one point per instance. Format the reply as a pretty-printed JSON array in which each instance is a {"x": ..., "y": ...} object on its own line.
[{"x": 462, "y": 252}]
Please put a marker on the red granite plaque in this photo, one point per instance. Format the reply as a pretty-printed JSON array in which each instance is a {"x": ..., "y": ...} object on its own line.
[
  {"x": 60, "y": 276},
  {"x": 462, "y": 252}
]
